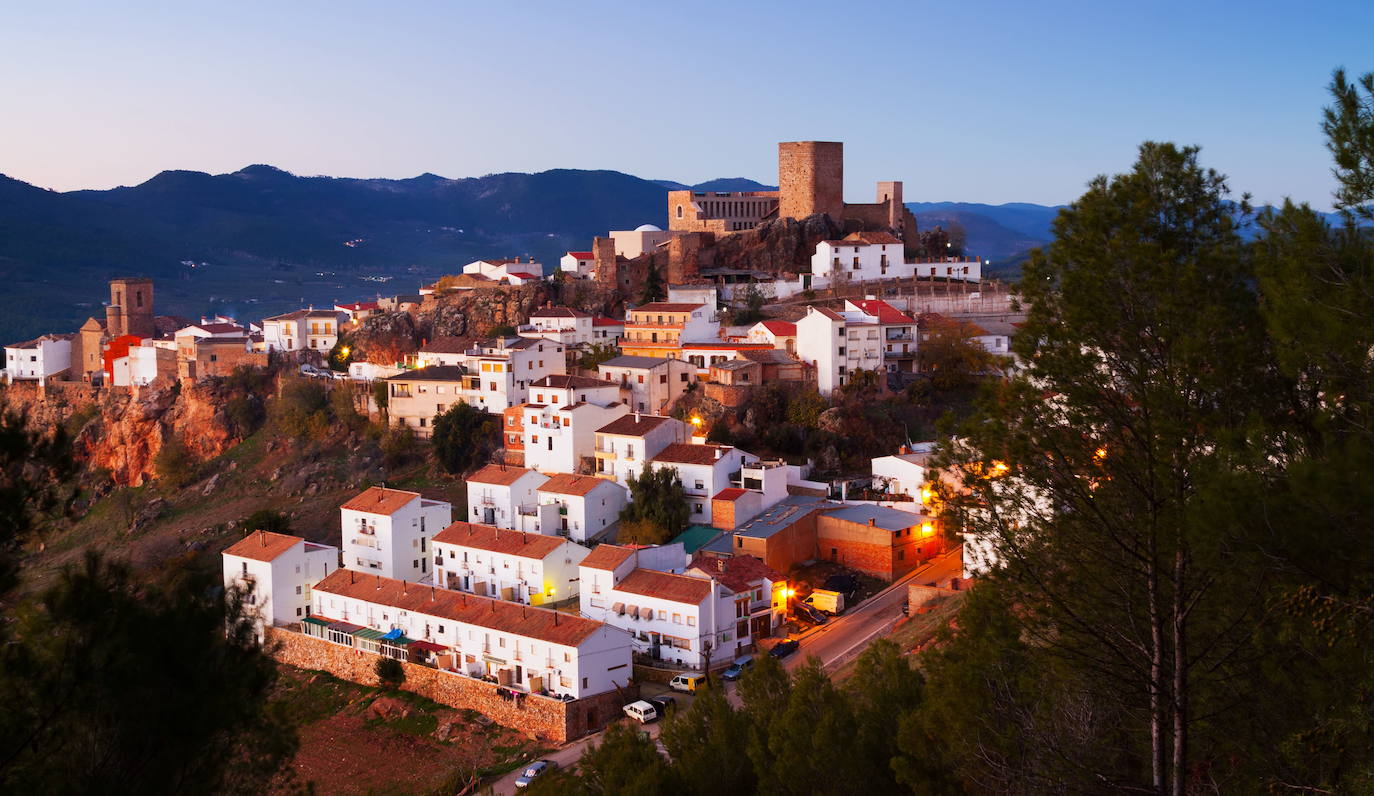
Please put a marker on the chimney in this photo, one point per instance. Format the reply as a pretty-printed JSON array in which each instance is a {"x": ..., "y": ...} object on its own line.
[
  {"x": 403, "y": 586},
  {"x": 719, "y": 451},
  {"x": 379, "y": 581},
  {"x": 262, "y": 536},
  {"x": 872, "y": 522},
  {"x": 431, "y": 594},
  {"x": 351, "y": 578}
]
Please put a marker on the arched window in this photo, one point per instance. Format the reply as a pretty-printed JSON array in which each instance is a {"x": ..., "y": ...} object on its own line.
[{"x": 679, "y": 211}]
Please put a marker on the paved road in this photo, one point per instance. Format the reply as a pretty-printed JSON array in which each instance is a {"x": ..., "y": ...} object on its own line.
[
  {"x": 835, "y": 643},
  {"x": 844, "y": 637}
]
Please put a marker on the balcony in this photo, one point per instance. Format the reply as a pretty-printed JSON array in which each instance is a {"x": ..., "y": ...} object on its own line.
[
  {"x": 528, "y": 510},
  {"x": 907, "y": 337},
  {"x": 363, "y": 541}
]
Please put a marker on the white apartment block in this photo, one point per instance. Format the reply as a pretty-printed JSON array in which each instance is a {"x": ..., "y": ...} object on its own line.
[
  {"x": 587, "y": 505},
  {"x": 416, "y": 397},
  {"x": 562, "y": 324},
  {"x": 515, "y": 566},
  {"x": 501, "y": 370},
  {"x": 497, "y": 493},
  {"x": 564, "y": 390},
  {"x": 954, "y": 269},
  {"x": 704, "y": 469},
  {"x": 648, "y": 384},
  {"x": 865, "y": 335},
  {"x": 525, "y": 648},
  {"x": 859, "y": 257},
  {"x": 558, "y": 439},
  {"x": 273, "y": 573},
  {"x": 578, "y": 265},
  {"x": 387, "y": 532},
  {"x": 39, "y": 358},
  {"x": 311, "y": 329},
  {"x": 625, "y": 445}
]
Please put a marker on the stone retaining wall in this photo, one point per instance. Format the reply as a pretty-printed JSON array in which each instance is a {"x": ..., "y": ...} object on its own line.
[{"x": 539, "y": 717}]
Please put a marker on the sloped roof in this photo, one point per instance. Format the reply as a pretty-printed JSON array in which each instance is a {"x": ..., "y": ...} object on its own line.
[
  {"x": 498, "y": 474},
  {"x": 448, "y": 345},
  {"x": 666, "y": 586},
  {"x": 731, "y": 493},
  {"x": 882, "y": 516},
  {"x": 565, "y": 381},
  {"x": 607, "y": 556},
  {"x": 496, "y": 540},
  {"x": 667, "y": 306},
  {"x": 687, "y": 453},
  {"x": 633, "y": 425},
  {"x": 582, "y": 255},
  {"x": 262, "y": 545},
  {"x": 602, "y": 320},
  {"x": 559, "y": 312},
  {"x": 780, "y": 328},
  {"x": 380, "y": 500},
  {"x": 521, "y": 620},
  {"x": 886, "y": 313},
  {"x": 565, "y": 484},
  {"x": 431, "y": 373},
  {"x": 630, "y": 361},
  {"x": 738, "y": 573}
]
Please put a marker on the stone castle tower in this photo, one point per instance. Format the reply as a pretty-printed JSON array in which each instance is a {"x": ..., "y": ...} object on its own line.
[
  {"x": 131, "y": 308},
  {"x": 811, "y": 179}
]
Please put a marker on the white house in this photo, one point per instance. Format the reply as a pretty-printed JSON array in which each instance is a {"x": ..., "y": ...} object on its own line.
[
  {"x": 513, "y": 270},
  {"x": 961, "y": 269},
  {"x": 387, "y": 532},
  {"x": 496, "y": 493},
  {"x": 905, "y": 472},
  {"x": 587, "y": 505},
  {"x": 565, "y": 390},
  {"x": 607, "y": 330},
  {"x": 358, "y": 310},
  {"x": 634, "y": 242},
  {"x": 142, "y": 365},
  {"x": 860, "y": 256},
  {"x": 38, "y": 358},
  {"x": 566, "y": 325},
  {"x": 759, "y": 591},
  {"x": 522, "y": 647},
  {"x": 557, "y": 439},
  {"x": 502, "y": 369},
  {"x": 704, "y": 469},
  {"x": 779, "y": 334},
  {"x": 626, "y": 444},
  {"x": 687, "y": 619},
  {"x": 273, "y": 572},
  {"x": 310, "y": 329},
  {"x": 648, "y": 384},
  {"x": 516, "y": 566},
  {"x": 578, "y": 265},
  {"x": 865, "y": 335}
]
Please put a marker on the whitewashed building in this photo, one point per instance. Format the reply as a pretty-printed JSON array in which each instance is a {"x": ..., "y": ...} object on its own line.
[
  {"x": 497, "y": 493},
  {"x": 38, "y": 358},
  {"x": 779, "y": 334},
  {"x": 865, "y": 335},
  {"x": 562, "y": 324},
  {"x": 860, "y": 256},
  {"x": 648, "y": 384},
  {"x": 522, "y": 647},
  {"x": 705, "y": 469},
  {"x": 587, "y": 505},
  {"x": 310, "y": 329},
  {"x": 578, "y": 265},
  {"x": 387, "y": 532},
  {"x": 559, "y": 439},
  {"x": 625, "y": 445},
  {"x": 905, "y": 472},
  {"x": 273, "y": 573},
  {"x": 510, "y": 565}
]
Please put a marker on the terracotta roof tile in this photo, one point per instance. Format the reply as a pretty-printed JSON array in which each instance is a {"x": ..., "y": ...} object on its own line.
[
  {"x": 885, "y": 313},
  {"x": 582, "y": 255},
  {"x": 565, "y": 484},
  {"x": 559, "y": 312},
  {"x": 666, "y": 586},
  {"x": 667, "y": 306},
  {"x": 498, "y": 474},
  {"x": 687, "y": 453},
  {"x": 564, "y": 381},
  {"x": 730, "y": 493},
  {"x": 497, "y": 540},
  {"x": 380, "y": 500},
  {"x": 633, "y": 425},
  {"x": 521, "y": 620},
  {"x": 607, "y": 556},
  {"x": 262, "y": 545},
  {"x": 781, "y": 328},
  {"x": 737, "y": 573}
]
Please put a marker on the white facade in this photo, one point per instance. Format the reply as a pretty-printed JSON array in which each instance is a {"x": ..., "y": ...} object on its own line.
[
  {"x": 387, "y": 532},
  {"x": 961, "y": 269},
  {"x": 500, "y": 371},
  {"x": 862, "y": 256},
  {"x": 904, "y": 473},
  {"x": 564, "y": 390},
  {"x": 370, "y": 371},
  {"x": 867, "y": 335},
  {"x": 139, "y": 367},
  {"x": 779, "y": 334},
  {"x": 567, "y": 326},
  {"x": 634, "y": 242},
  {"x": 557, "y": 438},
  {"x": 273, "y": 572},
  {"x": 566, "y": 655},
  {"x": 514, "y": 270},
  {"x": 496, "y": 493},
  {"x": 587, "y": 505},
  {"x": 315, "y": 330},
  {"x": 625, "y": 445},
  {"x": 648, "y": 384},
  {"x": 705, "y": 470},
  {"x": 510, "y": 565},
  {"x": 38, "y": 358},
  {"x": 579, "y": 265}
]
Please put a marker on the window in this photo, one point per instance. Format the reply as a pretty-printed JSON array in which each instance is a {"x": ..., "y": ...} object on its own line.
[
  {"x": 739, "y": 541},
  {"x": 567, "y": 657},
  {"x": 641, "y": 378},
  {"x": 663, "y": 379},
  {"x": 584, "y": 682},
  {"x": 662, "y": 615},
  {"x": 677, "y": 619},
  {"x": 682, "y": 377},
  {"x": 298, "y": 589},
  {"x": 700, "y": 485},
  {"x": 691, "y": 621},
  {"x": 696, "y": 508}
]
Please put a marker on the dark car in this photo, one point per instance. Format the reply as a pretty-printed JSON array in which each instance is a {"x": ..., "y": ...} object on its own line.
[
  {"x": 806, "y": 613},
  {"x": 848, "y": 585},
  {"x": 736, "y": 670},
  {"x": 664, "y": 703},
  {"x": 784, "y": 648}
]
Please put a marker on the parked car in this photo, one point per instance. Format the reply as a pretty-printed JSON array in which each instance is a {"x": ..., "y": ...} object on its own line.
[
  {"x": 687, "y": 683},
  {"x": 808, "y": 614},
  {"x": 664, "y": 704},
  {"x": 784, "y": 648},
  {"x": 535, "y": 770},
  {"x": 309, "y": 370},
  {"x": 826, "y": 601},
  {"x": 641, "y": 711},
  {"x": 736, "y": 670}
]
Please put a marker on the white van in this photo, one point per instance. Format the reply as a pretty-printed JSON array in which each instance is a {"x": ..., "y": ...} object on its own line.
[{"x": 641, "y": 711}]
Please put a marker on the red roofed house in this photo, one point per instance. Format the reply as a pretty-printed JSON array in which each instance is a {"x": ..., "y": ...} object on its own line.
[
  {"x": 566, "y": 325},
  {"x": 516, "y": 566},
  {"x": 859, "y": 257},
  {"x": 274, "y": 573},
  {"x": 387, "y": 532},
  {"x": 779, "y": 334},
  {"x": 358, "y": 310},
  {"x": 578, "y": 265},
  {"x": 866, "y": 335},
  {"x": 499, "y": 494},
  {"x": 587, "y": 505},
  {"x": 705, "y": 470},
  {"x": 761, "y": 591},
  {"x": 607, "y": 330}
]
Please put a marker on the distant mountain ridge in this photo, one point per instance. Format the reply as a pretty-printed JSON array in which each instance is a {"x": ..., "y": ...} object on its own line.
[{"x": 260, "y": 239}]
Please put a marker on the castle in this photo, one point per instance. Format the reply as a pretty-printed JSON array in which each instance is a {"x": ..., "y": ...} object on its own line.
[{"x": 810, "y": 181}]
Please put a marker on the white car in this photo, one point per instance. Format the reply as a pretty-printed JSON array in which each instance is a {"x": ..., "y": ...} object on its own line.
[
  {"x": 534, "y": 771},
  {"x": 641, "y": 711}
]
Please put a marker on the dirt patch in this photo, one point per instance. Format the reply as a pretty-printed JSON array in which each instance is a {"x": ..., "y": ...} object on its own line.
[{"x": 355, "y": 739}]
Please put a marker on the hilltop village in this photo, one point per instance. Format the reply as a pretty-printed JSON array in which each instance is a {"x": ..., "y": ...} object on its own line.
[{"x": 538, "y": 601}]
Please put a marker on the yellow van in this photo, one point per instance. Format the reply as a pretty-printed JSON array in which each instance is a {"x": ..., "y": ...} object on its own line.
[{"x": 687, "y": 682}]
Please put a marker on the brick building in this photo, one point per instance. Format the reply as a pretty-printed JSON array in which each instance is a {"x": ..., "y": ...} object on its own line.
[{"x": 880, "y": 541}]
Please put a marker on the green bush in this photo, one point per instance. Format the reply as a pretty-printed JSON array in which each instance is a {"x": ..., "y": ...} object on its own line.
[
  {"x": 390, "y": 673},
  {"x": 173, "y": 463}
]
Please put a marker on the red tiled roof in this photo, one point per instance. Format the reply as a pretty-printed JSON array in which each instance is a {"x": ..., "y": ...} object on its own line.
[
  {"x": 607, "y": 556},
  {"x": 687, "y": 453},
  {"x": 565, "y": 484},
  {"x": 872, "y": 238},
  {"x": 666, "y": 586},
  {"x": 448, "y": 345},
  {"x": 218, "y": 328},
  {"x": 498, "y": 474},
  {"x": 722, "y": 346},
  {"x": 359, "y": 306},
  {"x": 886, "y": 313},
  {"x": 524, "y": 274},
  {"x": 563, "y": 381},
  {"x": 601, "y": 320},
  {"x": 633, "y": 425},
  {"x": 730, "y": 493},
  {"x": 262, "y": 545},
  {"x": 829, "y": 313},
  {"x": 737, "y": 573},
  {"x": 559, "y": 312},
  {"x": 583, "y": 255},
  {"x": 781, "y": 328},
  {"x": 496, "y": 540},
  {"x": 521, "y": 620},
  {"x": 380, "y": 500}
]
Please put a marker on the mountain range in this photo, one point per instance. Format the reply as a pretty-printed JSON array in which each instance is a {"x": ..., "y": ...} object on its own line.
[{"x": 261, "y": 240}]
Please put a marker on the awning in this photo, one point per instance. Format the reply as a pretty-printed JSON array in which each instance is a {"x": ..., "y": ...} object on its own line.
[
  {"x": 393, "y": 633},
  {"x": 317, "y": 620},
  {"x": 428, "y": 646},
  {"x": 346, "y": 627},
  {"x": 634, "y": 611},
  {"x": 369, "y": 634},
  {"x": 399, "y": 641},
  {"x": 618, "y": 608}
]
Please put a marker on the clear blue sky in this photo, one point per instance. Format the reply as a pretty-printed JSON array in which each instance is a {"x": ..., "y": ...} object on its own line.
[{"x": 972, "y": 101}]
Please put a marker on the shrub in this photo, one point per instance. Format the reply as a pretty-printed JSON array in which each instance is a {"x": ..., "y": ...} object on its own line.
[
  {"x": 173, "y": 463},
  {"x": 245, "y": 414},
  {"x": 390, "y": 673},
  {"x": 462, "y": 437},
  {"x": 266, "y": 520}
]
